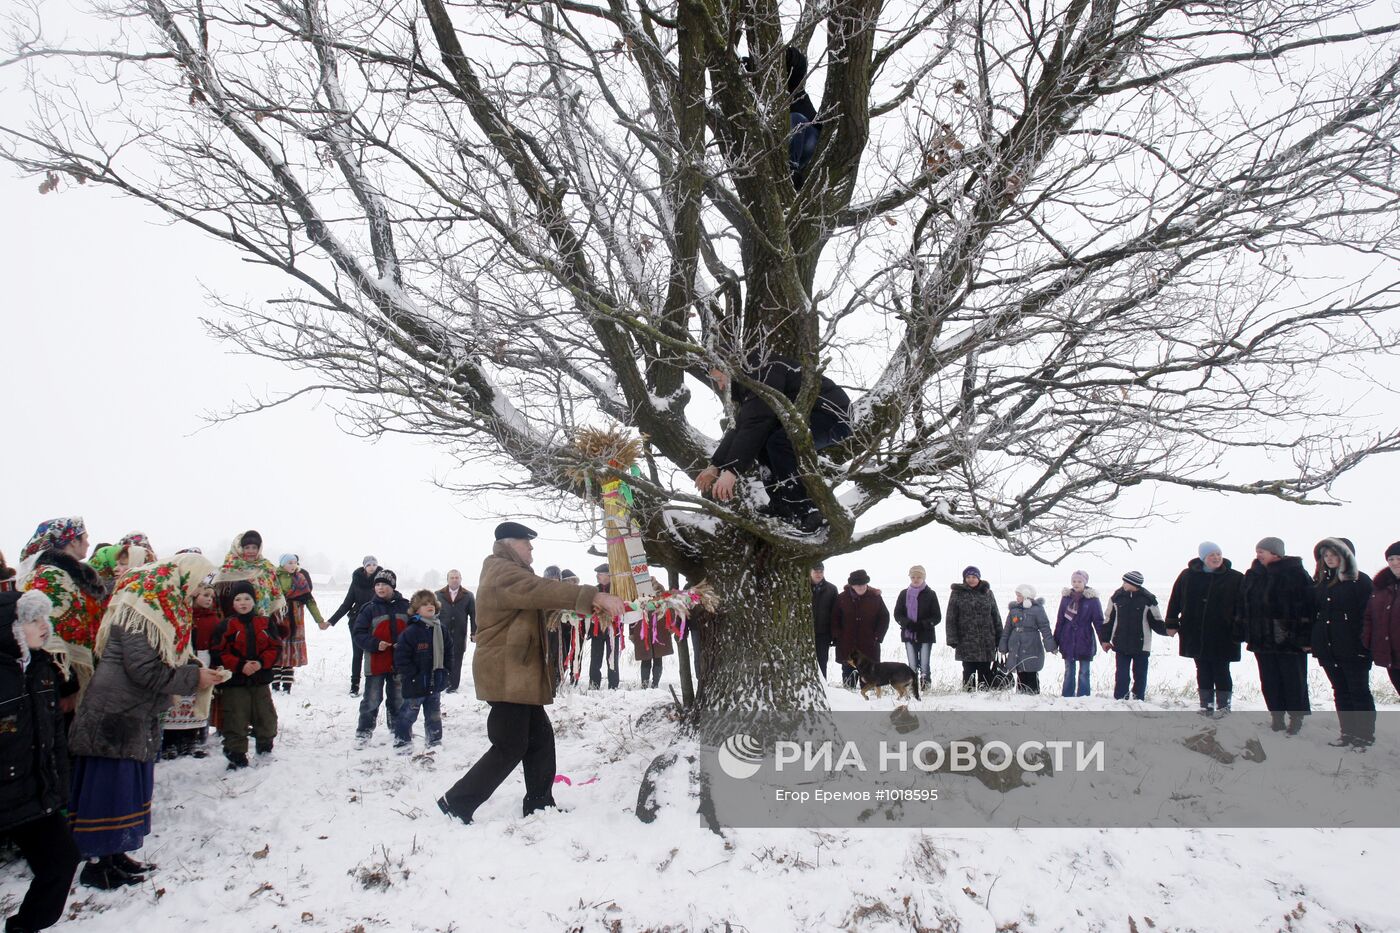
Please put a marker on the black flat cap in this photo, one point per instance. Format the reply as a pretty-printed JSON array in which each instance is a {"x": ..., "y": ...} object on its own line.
[
  {"x": 514, "y": 530},
  {"x": 602, "y": 568}
]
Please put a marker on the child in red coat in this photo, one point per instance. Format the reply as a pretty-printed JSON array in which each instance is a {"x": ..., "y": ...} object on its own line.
[{"x": 247, "y": 645}]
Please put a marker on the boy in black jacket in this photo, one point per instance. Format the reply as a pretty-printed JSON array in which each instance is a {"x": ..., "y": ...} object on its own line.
[
  {"x": 1132, "y": 618},
  {"x": 421, "y": 656},
  {"x": 247, "y": 645},
  {"x": 34, "y": 759}
]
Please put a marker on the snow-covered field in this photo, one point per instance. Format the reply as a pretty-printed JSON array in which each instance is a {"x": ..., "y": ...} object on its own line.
[{"x": 324, "y": 837}]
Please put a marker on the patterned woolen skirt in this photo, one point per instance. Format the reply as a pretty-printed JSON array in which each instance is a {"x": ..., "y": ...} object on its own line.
[{"x": 110, "y": 807}]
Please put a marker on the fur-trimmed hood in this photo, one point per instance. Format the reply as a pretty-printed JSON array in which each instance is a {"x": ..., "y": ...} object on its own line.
[
  {"x": 1342, "y": 546},
  {"x": 1385, "y": 578},
  {"x": 1021, "y": 603},
  {"x": 1089, "y": 592}
]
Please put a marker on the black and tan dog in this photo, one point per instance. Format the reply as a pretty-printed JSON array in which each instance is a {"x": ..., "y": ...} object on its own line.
[{"x": 878, "y": 674}]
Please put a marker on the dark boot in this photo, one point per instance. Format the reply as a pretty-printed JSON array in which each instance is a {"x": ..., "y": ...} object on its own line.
[
  {"x": 264, "y": 746},
  {"x": 1295, "y": 723},
  {"x": 105, "y": 876},
  {"x": 1222, "y": 703},
  {"x": 236, "y": 761},
  {"x": 533, "y": 804},
  {"x": 446, "y": 808},
  {"x": 1207, "y": 702},
  {"x": 129, "y": 865},
  {"x": 1276, "y": 722}
]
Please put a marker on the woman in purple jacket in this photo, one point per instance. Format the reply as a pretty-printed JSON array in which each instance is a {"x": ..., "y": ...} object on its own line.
[{"x": 1077, "y": 627}]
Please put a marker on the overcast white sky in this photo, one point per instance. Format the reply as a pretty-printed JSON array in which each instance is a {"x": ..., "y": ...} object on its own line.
[{"x": 108, "y": 372}]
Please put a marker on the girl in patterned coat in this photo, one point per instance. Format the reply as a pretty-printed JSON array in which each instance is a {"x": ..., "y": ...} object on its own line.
[{"x": 295, "y": 584}]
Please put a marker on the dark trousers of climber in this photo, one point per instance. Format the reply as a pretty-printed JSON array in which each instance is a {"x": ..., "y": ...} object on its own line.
[
  {"x": 785, "y": 489},
  {"x": 520, "y": 734}
]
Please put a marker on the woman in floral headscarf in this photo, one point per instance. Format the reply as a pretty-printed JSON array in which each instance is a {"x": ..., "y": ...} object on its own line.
[
  {"x": 129, "y": 557},
  {"x": 295, "y": 584},
  {"x": 78, "y": 594},
  {"x": 104, "y": 561},
  {"x": 147, "y": 656},
  {"x": 245, "y": 562},
  {"x": 139, "y": 540}
]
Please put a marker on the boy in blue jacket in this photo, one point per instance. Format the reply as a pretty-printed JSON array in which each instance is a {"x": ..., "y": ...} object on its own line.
[{"x": 421, "y": 657}]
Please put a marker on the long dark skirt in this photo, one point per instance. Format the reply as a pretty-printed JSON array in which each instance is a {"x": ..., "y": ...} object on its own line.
[{"x": 111, "y": 804}]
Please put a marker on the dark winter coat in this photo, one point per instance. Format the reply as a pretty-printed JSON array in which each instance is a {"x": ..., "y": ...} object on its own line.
[
  {"x": 923, "y": 630},
  {"x": 656, "y": 644},
  {"x": 33, "y": 748},
  {"x": 823, "y": 602},
  {"x": 240, "y": 639},
  {"x": 754, "y": 421},
  {"x": 1026, "y": 637},
  {"x": 1132, "y": 618},
  {"x": 1339, "y": 601},
  {"x": 859, "y": 623},
  {"x": 1275, "y": 608},
  {"x": 1381, "y": 632},
  {"x": 461, "y": 612},
  {"x": 973, "y": 623},
  {"x": 1202, "y": 611},
  {"x": 413, "y": 659},
  {"x": 1078, "y": 636},
  {"x": 357, "y": 597},
  {"x": 380, "y": 620},
  {"x": 120, "y": 713}
]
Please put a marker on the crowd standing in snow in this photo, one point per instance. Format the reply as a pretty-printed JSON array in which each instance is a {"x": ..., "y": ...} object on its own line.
[
  {"x": 112, "y": 657},
  {"x": 1278, "y": 610}
]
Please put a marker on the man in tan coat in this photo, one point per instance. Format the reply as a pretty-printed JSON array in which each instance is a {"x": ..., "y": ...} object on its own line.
[{"x": 511, "y": 672}]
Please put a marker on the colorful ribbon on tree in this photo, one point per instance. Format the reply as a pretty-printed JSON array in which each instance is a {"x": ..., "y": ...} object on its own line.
[{"x": 664, "y": 612}]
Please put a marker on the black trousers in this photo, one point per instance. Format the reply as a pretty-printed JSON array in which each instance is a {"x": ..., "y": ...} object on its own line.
[
  {"x": 1213, "y": 674},
  {"x": 974, "y": 671},
  {"x": 460, "y": 631},
  {"x": 785, "y": 490},
  {"x": 1394, "y": 673},
  {"x": 600, "y": 647},
  {"x": 1351, "y": 688},
  {"x": 1283, "y": 676},
  {"x": 651, "y": 671},
  {"x": 1028, "y": 681},
  {"x": 47, "y": 845},
  {"x": 823, "y": 652},
  {"x": 519, "y": 734}
]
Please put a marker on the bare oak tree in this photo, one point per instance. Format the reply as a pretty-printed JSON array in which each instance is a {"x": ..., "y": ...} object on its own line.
[{"x": 1054, "y": 249}]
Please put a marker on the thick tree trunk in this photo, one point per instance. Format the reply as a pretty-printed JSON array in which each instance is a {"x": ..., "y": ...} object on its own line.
[{"x": 759, "y": 652}]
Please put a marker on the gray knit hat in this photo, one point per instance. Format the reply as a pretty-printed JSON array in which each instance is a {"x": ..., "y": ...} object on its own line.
[
  {"x": 1134, "y": 577},
  {"x": 1272, "y": 545}
]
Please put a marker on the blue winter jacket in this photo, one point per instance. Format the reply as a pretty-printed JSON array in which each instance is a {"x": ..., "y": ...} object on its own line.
[{"x": 413, "y": 659}]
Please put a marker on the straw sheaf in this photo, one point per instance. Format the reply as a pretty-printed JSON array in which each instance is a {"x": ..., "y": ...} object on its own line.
[{"x": 594, "y": 449}]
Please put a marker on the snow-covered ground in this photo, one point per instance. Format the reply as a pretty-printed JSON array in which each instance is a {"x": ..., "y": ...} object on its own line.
[{"x": 325, "y": 837}]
